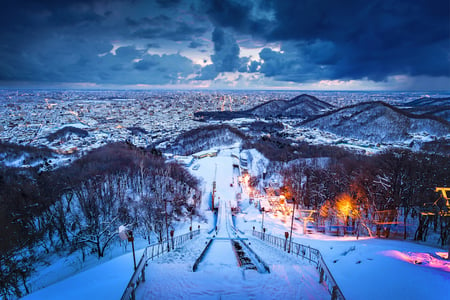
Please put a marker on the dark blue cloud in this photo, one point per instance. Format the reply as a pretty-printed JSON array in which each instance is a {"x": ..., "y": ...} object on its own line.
[
  {"x": 144, "y": 65},
  {"x": 195, "y": 44},
  {"x": 50, "y": 40},
  {"x": 153, "y": 45},
  {"x": 226, "y": 51},
  {"x": 298, "y": 62},
  {"x": 164, "y": 27},
  {"x": 69, "y": 41},
  {"x": 254, "y": 67},
  {"x": 359, "y": 39},
  {"x": 226, "y": 56},
  {"x": 244, "y": 16},
  {"x": 168, "y": 3},
  {"x": 207, "y": 73}
]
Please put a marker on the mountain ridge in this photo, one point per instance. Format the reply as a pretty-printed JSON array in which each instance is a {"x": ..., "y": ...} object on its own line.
[
  {"x": 377, "y": 121},
  {"x": 302, "y": 106}
]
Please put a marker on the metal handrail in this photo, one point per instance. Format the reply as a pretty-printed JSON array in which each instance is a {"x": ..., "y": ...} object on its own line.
[
  {"x": 150, "y": 252},
  {"x": 305, "y": 252},
  {"x": 137, "y": 277},
  {"x": 199, "y": 259}
]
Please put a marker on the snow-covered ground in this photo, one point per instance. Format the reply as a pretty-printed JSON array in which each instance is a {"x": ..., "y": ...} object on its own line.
[
  {"x": 374, "y": 268},
  {"x": 105, "y": 281},
  {"x": 364, "y": 269},
  {"x": 218, "y": 275}
]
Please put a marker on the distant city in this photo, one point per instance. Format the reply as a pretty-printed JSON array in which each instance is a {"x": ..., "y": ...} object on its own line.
[{"x": 141, "y": 117}]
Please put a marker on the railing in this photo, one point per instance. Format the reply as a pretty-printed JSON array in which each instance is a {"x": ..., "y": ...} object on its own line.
[
  {"x": 305, "y": 252},
  {"x": 151, "y": 252},
  {"x": 199, "y": 259},
  {"x": 137, "y": 277}
]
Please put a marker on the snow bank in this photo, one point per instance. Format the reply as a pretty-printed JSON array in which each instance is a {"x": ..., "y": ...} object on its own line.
[{"x": 106, "y": 281}]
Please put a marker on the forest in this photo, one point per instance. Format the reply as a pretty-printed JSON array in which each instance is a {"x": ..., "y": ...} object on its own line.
[
  {"x": 79, "y": 207},
  {"x": 369, "y": 195}
]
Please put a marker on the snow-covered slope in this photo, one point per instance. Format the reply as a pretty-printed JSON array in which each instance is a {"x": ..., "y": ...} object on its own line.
[
  {"x": 364, "y": 269},
  {"x": 377, "y": 122},
  {"x": 439, "y": 107},
  {"x": 428, "y": 101},
  {"x": 302, "y": 106},
  {"x": 106, "y": 281}
]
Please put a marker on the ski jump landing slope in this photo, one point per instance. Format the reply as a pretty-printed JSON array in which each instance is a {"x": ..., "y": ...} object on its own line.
[{"x": 219, "y": 276}]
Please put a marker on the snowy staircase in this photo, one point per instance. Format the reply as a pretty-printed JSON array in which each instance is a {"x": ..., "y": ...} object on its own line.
[{"x": 247, "y": 258}]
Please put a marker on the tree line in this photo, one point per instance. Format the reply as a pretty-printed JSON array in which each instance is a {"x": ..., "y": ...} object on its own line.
[
  {"x": 368, "y": 192},
  {"x": 205, "y": 137}
]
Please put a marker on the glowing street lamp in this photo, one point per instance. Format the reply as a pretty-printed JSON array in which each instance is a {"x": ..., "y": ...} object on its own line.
[
  {"x": 292, "y": 224},
  {"x": 126, "y": 234}
]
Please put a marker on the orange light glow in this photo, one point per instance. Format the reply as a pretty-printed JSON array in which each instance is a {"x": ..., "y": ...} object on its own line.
[
  {"x": 444, "y": 255},
  {"x": 344, "y": 205},
  {"x": 325, "y": 209}
]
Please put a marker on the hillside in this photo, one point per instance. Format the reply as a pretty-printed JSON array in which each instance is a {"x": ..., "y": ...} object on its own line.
[
  {"x": 439, "y": 107},
  {"x": 428, "y": 101},
  {"x": 204, "y": 138},
  {"x": 300, "y": 107},
  {"x": 377, "y": 122}
]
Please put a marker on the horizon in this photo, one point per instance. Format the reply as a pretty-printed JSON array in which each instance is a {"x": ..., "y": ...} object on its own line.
[{"x": 194, "y": 89}]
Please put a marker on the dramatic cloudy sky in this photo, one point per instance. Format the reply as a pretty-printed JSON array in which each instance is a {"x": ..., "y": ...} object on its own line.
[{"x": 299, "y": 44}]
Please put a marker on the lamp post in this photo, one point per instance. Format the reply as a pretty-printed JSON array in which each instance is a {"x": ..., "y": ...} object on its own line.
[
  {"x": 286, "y": 235},
  {"x": 167, "y": 227},
  {"x": 131, "y": 239},
  {"x": 262, "y": 224},
  {"x": 190, "y": 227},
  {"x": 292, "y": 224},
  {"x": 127, "y": 235}
]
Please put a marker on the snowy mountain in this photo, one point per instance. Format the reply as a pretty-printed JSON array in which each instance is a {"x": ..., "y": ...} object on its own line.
[
  {"x": 428, "y": 101},
  {"x": 439, "y": 107},
  {"x": 377, "y": 122},
  {"x": 300, "y": 107}
]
